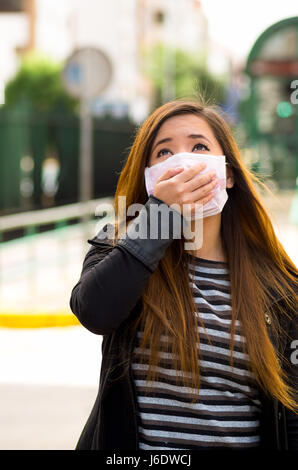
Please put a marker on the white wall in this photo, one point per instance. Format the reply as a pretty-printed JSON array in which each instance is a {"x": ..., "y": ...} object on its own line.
[
  {"x": 13, "y": 34},
  {"x": 111, "y": 25},
  {"x": 108, "y": 25}
]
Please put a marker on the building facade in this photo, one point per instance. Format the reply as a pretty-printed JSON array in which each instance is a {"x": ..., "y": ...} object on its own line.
[{"x": 120, "y": 28}]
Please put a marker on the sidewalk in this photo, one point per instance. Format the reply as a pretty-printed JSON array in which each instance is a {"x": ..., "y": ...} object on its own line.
[
  {"x": 37, "y": 275},
  {"x": 287, "y": 233},
  {"x": 43, "y": 417},
  {"x": 48, "y": 384}
]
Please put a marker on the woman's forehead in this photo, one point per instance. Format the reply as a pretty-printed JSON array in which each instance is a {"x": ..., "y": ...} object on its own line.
[{"x": 184, "y": 125}]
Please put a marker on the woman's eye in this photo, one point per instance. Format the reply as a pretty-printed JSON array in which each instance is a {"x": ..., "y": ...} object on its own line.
[
  {"x": 163, "y": 152},
  {"x": 200, "y": 147}
]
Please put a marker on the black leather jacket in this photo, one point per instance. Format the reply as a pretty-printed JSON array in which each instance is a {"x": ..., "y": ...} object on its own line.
[{"x": 106, "y": 299}]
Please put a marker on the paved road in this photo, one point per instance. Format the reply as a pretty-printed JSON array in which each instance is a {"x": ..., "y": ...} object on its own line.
[{"x": 43, "y": 417}]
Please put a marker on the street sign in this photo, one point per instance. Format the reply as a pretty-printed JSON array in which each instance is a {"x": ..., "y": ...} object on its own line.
[{"x": 87, "y": 73}]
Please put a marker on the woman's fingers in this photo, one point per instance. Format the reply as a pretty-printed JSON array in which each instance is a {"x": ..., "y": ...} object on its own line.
[
  {"x": 200, "y": 196},
  {"x": 190, "y": 172},
  {"x": 174, "y": 186},
  {"x": 202, "y": 202},
  {"x": 169, "y": 173},
  {"x": 203, "y": 191},
  {"x": 199, "y": 180}
]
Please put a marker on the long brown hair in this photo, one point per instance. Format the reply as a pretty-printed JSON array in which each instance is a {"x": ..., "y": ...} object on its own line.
[{"x": 258, "y": 265}]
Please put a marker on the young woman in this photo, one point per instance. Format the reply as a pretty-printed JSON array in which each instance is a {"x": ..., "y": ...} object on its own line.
[{"x": 198, "y": 346}]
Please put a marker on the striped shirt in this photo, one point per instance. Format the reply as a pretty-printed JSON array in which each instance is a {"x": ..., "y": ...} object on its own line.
[{"x": 226, "y": 412}]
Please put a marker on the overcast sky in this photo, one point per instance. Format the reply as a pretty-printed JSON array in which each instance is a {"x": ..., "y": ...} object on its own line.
[{"x": 236, "y": 24}]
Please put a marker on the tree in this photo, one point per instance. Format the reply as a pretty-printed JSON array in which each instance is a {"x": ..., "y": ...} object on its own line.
[
  {"x": 182, "y": 71},
  {"x": 39, "y": 83}
]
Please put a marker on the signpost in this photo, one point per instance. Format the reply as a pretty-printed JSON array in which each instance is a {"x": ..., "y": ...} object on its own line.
[{"x": 86, "y": 74}]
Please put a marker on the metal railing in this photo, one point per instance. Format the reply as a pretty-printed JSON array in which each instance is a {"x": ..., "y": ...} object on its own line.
[
  {"x": 59, "y": 215},
  {"x": 24, "y": 267}
]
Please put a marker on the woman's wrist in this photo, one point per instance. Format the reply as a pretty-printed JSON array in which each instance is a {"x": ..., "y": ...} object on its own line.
[{"x": 148, "y": 235}]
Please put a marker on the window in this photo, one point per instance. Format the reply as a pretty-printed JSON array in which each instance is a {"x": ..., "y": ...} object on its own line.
[{"x": 159, "y": 17}]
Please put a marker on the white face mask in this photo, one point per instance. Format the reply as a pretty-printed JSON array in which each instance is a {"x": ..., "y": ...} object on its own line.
[{"x": 186, "y": 160}]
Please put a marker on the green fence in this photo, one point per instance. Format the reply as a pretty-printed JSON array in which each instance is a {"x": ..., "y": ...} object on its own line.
[{"x": 39, "y": 158}]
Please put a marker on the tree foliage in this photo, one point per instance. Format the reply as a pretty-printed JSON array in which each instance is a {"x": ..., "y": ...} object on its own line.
[
  {"x": 185, "y": 72},
  {"x": 38, "y": 82}
]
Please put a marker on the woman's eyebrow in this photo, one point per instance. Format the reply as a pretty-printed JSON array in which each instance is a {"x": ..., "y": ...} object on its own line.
[
  {"x": 198, "y": 136},
  {"x": 191, "y": 136},
  {"x": 162, "y": 141}
]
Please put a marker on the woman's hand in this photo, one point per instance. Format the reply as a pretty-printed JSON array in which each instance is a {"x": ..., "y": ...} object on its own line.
[{"x": 186, "y": 186}]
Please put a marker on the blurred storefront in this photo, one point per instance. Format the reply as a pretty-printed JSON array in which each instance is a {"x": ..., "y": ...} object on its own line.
[{"x": 271, "y": 112}]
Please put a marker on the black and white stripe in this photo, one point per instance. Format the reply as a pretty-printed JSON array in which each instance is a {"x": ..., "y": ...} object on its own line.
[{"x": 226, "y": 413}]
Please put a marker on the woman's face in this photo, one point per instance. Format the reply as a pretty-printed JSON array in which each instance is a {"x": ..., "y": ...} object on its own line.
[{"x": 185, "y": 133}]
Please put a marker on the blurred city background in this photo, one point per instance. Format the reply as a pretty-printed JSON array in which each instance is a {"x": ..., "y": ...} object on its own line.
[{"x": 76, "y": 80}]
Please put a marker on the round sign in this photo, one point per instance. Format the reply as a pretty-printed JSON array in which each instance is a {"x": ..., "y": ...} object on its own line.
[{"x": 87, "y": 72}]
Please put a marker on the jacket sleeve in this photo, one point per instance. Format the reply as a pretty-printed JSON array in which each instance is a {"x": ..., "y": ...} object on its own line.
[{"x": 113, "y": 277}]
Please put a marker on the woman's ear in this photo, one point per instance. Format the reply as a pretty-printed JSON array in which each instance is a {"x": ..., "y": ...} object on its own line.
[{"x": 230, "y": 180}]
